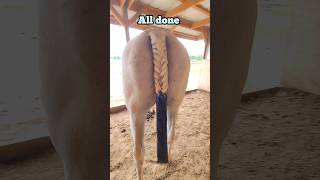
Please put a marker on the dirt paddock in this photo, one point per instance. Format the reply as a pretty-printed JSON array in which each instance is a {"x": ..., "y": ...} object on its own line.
[
  {"x": 191, "y": 150},
  {"x": 275, "y": 136}
]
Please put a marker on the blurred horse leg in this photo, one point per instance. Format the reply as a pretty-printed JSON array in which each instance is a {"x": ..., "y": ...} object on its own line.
[
  {"x": 233, "y": 37},
  {"x": 73, "y": 43}
]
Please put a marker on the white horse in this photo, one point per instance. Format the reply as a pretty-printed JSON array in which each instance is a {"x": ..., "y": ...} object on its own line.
[
  {"x": 155, "y": 70},
  {"x": 73, "y": 75}
]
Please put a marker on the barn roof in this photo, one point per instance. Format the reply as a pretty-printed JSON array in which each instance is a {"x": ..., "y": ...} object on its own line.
[{"x": 194, "y": 15}]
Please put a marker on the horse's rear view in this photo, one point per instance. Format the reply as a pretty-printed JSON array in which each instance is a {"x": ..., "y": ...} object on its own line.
[{"x": 155, "y": 70}]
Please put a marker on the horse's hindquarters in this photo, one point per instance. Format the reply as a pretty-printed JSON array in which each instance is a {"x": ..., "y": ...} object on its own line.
[{"x": 137, "y": 67}]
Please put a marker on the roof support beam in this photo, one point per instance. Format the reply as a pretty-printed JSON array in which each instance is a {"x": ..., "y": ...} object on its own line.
[
  {"x": 202, "y": 9},
  {"x": 116, "y": 15},
  {"x": 155, "y": 11},
  {"x": 173, "y": 28},
  {"x": 125, "y": 18},
  {"x": 145, "y": 27},
  {"x": 182, "y": 7},
  {"x": 130, "y": 3},
  {"x": 199, "y": 8},
  {"x": 135, "y": 17},
  {"x": 200, "y": 23},
  {"x": 122, "y": 3}
]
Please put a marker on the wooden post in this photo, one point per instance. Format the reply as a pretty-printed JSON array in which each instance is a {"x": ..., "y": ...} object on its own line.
[
  {"x": 206, "y": 38},
  {"x": 125, "y": 18}
]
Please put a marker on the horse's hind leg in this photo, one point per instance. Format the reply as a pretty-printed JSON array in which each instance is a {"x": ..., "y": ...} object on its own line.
[
  {"x": 137, "y": 130},
  {"x": 172, "y": 112},
  {"x": 171, "y": 119}
]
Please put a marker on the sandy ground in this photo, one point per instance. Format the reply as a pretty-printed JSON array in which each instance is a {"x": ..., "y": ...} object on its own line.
[
  {"x": 191, "y": 150},
  {"x": 275, "y": 136},
  {"x": 190, "y": 154},
  {"x": 44, "y": 166}
]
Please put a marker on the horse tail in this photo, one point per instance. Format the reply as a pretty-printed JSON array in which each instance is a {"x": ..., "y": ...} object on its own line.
[{"x": 160, "y": 74}]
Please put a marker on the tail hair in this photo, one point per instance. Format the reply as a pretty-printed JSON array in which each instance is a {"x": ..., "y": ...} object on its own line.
[{"x": 160, "y": 65}]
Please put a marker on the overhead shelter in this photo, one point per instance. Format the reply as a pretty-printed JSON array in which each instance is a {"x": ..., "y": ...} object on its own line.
[{"x": 194, "y": 17}]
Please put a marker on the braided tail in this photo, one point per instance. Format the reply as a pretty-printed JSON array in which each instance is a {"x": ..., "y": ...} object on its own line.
[{"x": 158, "y": 41}]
